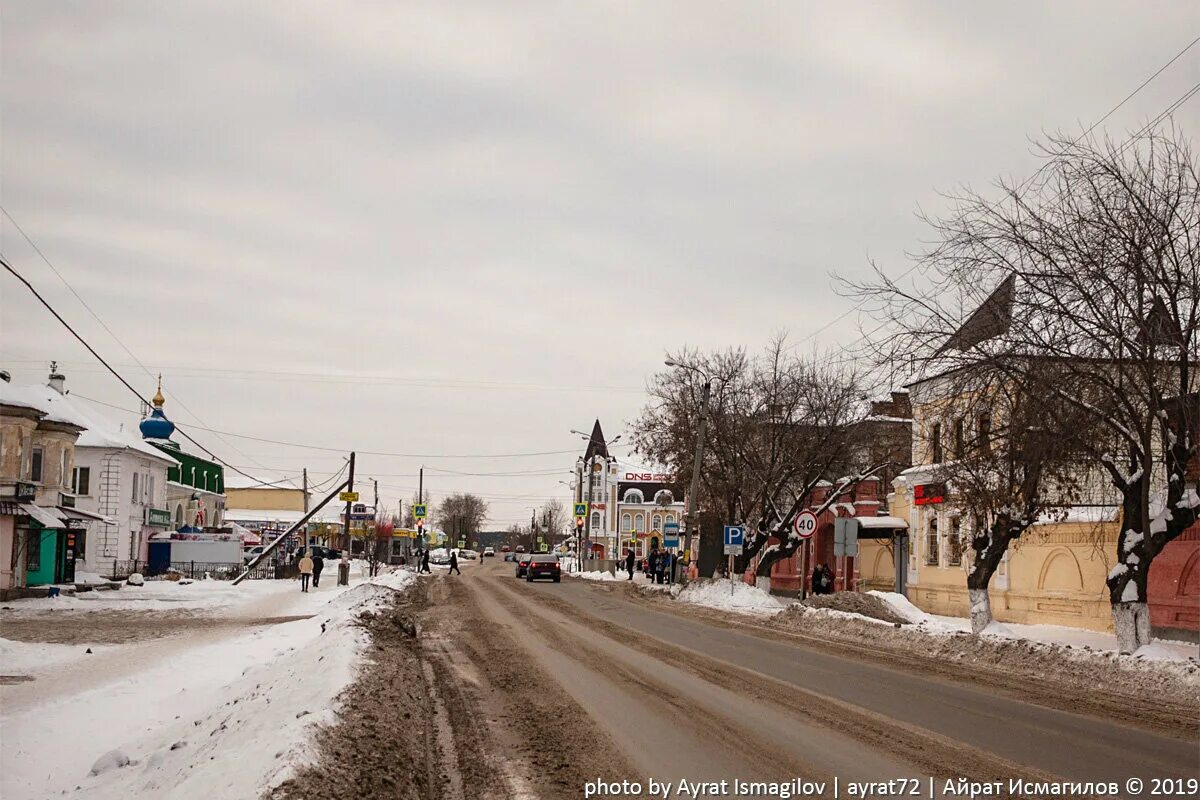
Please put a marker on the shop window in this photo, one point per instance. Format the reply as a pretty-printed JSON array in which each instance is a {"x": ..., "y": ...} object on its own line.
[
  {"x": 33, "y": 556},
  {"x": 81, "y": 480},
  {"x": 35, "y": 465},
  {"x": 931, "y": 543}
]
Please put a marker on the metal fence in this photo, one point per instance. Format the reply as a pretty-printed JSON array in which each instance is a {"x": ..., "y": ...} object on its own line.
[{"x": 216, "y": 570}]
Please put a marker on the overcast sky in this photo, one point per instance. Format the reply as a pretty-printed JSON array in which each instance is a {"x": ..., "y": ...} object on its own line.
[{"x": 454, "y": 228}]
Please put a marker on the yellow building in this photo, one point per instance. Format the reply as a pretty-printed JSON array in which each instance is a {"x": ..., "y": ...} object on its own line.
[
  {"x": 1053, "y": 574},
  {"x": 277, "y": 495}
]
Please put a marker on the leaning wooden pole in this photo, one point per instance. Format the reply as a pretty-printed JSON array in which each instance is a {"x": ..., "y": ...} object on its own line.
[{"x": 303, "y": 521}]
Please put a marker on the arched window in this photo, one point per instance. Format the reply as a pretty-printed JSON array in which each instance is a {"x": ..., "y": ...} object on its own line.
[
  {"x": 626, "y": 523},
  {"x": 639, "y": 523},
  {"x": 670, "y": 517},
  {"x": 179, "y": 516},
  {"x": 656, "y": 523},
  {"x": 595, "y": 520},
  {"x": 664, "y": 497},
  {"x": 634, "y": 496}
]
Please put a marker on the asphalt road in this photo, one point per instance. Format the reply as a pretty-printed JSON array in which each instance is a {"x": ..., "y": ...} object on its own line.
[{"x": 684, "y": 697}]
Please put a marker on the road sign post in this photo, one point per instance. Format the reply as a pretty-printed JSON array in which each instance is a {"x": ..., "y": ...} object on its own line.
[{"x": 734, "y": 538}]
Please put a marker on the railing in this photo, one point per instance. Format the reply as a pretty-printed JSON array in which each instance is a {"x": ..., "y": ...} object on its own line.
[{"x": 217, "y": 570}]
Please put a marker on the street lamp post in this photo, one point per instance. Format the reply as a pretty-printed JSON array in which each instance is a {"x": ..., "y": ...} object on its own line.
[{"x": 692, "y": 515}]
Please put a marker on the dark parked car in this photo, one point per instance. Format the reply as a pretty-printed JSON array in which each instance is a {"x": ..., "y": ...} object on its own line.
[
  {"x": 543, "y": 565},
  {"x": 522, "y": 563},
  {"x": 510, "y": 556}
]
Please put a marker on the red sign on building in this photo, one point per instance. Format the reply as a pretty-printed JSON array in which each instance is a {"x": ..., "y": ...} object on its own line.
[{"x": 925, "y": 494}]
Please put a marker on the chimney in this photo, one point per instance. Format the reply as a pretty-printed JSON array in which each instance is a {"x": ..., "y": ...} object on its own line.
[{"x": 57, "y": 379}]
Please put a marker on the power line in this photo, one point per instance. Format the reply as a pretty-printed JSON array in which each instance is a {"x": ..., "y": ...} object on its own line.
[
  {"x": 100, "y": 358},
  {"x": 360, "y": 452},
  {"x": 107, "y": 329},
  {"x": 364, "y": 379},
  {"x": 1170, "y": 109}
]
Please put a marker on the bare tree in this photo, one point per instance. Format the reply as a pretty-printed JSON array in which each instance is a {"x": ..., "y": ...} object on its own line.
[
  {"x": 461, "y": 515},
  {"x": 780, "y": 424},
  {"x": 1093, "y": 266},
  {"x": 554, "y": 521}
]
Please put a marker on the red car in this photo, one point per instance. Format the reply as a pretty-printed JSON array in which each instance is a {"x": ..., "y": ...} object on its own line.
[{"x": 543, "y": 565}]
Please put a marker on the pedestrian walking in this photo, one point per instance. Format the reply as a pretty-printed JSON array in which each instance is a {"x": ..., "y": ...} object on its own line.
[
  {"x": 629, "y": 559},
  {"x": 318, "y": 565},
  {"x": 454, "y": 562},
  {"x": 652, "y": 565},
  {"x": 425, "y": 561},
  {"x": 306, "y": 567}
]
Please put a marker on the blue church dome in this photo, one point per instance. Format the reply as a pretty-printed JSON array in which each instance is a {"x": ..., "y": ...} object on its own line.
[{"x": 157, "y": 426}]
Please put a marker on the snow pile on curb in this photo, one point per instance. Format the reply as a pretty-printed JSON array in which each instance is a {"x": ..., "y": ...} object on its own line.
[
  {"x": 596, "y": 576},
  {"x": 731, "y": 596},
  {"x": 857, "y": 604},
  {"x": 230, "y": 719},
  {"x": 902, "y": 606}
]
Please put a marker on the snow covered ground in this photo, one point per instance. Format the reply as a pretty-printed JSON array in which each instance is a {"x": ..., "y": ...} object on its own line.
[
  {"x": 731, "y": 596},
  {"x": 598, "y": 575},
  {"x": 1160, "y": 649},
  {"x": 222, "y": 715}
]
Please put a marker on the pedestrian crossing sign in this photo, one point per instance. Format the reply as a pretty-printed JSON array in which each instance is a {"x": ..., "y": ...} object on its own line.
[
  {"x": 581, "y": 509},
  {"x": 419, "y": 510}
]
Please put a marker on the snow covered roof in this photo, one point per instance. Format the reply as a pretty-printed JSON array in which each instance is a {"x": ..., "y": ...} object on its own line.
[
  {"x": 42, "y": 398},
  {"x": 882, "y": 522}
]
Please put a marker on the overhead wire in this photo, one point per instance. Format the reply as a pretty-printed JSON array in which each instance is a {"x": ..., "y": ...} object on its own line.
[
  {"x": 1170, "y": 110},
  {"x": 104, "y": 325}
]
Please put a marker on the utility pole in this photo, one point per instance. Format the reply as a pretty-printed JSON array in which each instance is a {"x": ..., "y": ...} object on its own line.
[
  {"x": 693, "y": 513},
  {"x": 305, "y": 474},
  {"x": 346, "y": 522},
  {"x": 420, "y": 486}
]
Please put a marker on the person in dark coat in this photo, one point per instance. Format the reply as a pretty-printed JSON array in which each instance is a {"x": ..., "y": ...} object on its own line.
[
  {"x": 668, "y": 562},
  {"x": 629, "y": 558},
  {"x": 818, "y": 580},
  {"x": 828, "y": 578},
  {"x": 652, "y": 565},
  {"x": 318, "y": 565},
  {"x": 454, "y": 562}
]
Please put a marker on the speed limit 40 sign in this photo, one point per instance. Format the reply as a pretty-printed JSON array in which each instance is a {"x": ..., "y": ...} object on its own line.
[{"x": 805, "y": 524}]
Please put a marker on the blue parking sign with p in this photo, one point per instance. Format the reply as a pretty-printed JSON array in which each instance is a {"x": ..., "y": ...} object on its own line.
[{"x": 735, "y": 535}]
